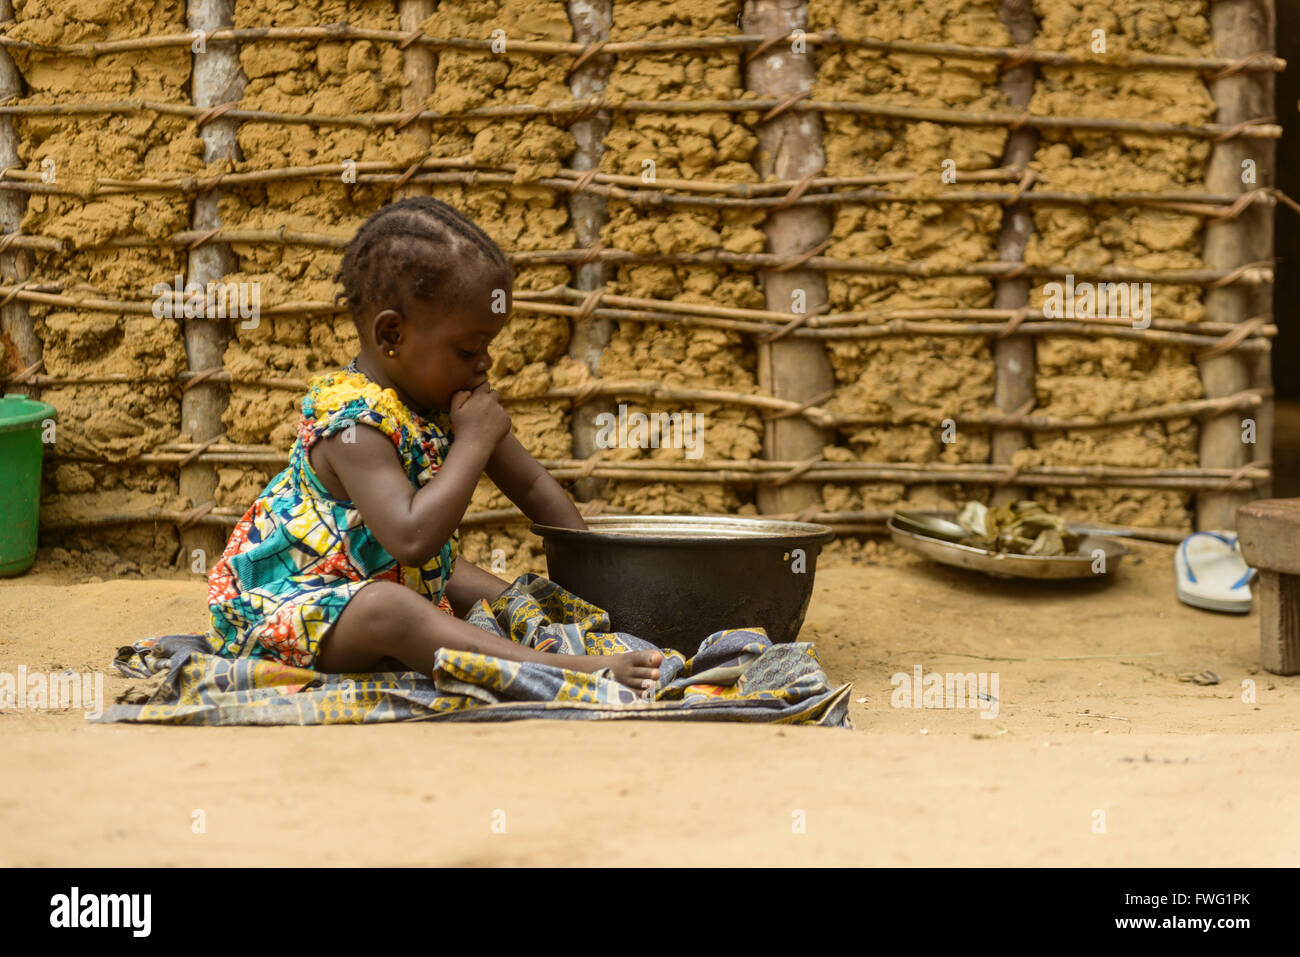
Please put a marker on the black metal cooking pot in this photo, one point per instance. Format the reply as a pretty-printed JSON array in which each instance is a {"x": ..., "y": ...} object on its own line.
[{"x": 674, "y": 580}]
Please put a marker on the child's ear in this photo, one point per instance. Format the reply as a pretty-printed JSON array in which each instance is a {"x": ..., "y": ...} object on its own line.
[{"x": 387, "y": 328}]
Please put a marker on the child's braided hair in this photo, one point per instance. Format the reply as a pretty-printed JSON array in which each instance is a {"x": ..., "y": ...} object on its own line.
[{"x": 417, "y": 246}]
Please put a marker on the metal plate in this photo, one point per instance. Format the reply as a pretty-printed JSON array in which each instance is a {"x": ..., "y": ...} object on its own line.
[{"x": 1078, "y": 565}]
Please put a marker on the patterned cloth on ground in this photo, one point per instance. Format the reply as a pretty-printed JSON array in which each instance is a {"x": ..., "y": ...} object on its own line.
[{"x": 736, "y": 675}]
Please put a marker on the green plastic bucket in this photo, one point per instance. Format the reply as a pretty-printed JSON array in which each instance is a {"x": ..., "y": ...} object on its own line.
[{"x": 21, "y": 421}]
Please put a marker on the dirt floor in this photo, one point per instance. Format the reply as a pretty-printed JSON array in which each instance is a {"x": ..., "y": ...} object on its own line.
[{"x": 1099, "y": 754}]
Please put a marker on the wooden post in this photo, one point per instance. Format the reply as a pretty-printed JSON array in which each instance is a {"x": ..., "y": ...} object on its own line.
[
  {"x": 1015, "y": 356},
  {"x": 18, "y": 343},
  {"x": 1238, "y": 28},
  {"x": 1269, "y": 532},
  {"x": 790, "y": 147},
  {"x": 418, "y": 66},
  {"x": 1260, "y": 296},
  {"x": 1260, "y": 366},
  {"x": 591, "y": 21},
  {"x": 217, "y": 78}
]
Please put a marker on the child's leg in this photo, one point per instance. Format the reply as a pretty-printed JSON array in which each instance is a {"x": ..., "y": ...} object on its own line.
[
  {"x": 469, "y": 583},
  {"x": 388, "y": 619}
]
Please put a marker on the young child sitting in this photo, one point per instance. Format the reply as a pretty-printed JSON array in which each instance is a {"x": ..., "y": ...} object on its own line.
[{"x": 350, "y": 555}]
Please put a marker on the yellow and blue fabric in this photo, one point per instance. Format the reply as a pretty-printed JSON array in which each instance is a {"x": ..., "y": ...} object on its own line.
[
  {"x": 298, "y": 555},
  {"x": 735, "y": 675}
]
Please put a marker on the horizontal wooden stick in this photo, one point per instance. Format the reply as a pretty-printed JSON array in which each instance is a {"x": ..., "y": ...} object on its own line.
[
  {"x": 1238, "y": 401},
  {"x": 667, "y": 189},
  {"x": 474, "y": 171},
  {"x": 865, "y": 324},
  {"x": 224, "y": 516},
  {"x": 280, "y": 456},
  {"x": 1258, "y": 129},
  {"x": 842, "y": 522},
  {"x": 1191, "y": 408},
  {"x": 1194, "y": 203},
  {"x": 912, "y": 475},
  {"x": 1032, "y": 325},
  {"x": 1253, "y": 274},
  {"x": 765, "y": 320},
  {"x": 1250, "y": 274},
  {"x": 1263, "y": 61},
  {"x": 760, "y": 472}
]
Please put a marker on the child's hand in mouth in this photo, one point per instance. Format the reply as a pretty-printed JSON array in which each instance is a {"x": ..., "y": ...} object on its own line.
[{"x": 478, "y": 414}]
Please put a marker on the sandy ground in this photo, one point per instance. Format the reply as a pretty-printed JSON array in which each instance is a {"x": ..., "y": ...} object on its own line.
[{"x": 1106, "y": 760}]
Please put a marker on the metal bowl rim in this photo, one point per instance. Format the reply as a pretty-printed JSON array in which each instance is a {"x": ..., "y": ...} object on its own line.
[{"x": 775, "y": 531}]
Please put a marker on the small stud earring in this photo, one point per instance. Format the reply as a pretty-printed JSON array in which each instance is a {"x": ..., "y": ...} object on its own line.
[{"x": 391, "y": 353}]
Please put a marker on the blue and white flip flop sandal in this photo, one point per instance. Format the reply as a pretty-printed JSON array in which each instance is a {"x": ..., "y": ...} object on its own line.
[{"x": 1211, "y": 573}]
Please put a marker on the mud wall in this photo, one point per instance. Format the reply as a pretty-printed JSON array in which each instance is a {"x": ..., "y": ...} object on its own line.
[
  {"x": 927, "y": 378},
  {"x": 530, "y": 354},
  {"x": 301, "y": 77},
  {"x": 1104, "y": 376},
  {"x": 112, "y": 422},
  {"x": 714, "y": 146}
]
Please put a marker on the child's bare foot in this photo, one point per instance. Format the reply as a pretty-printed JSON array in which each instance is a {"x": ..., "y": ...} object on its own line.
[{"x": 636, "y": 669}]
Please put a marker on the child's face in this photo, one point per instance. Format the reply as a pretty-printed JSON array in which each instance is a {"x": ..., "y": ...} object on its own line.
[{"x": 441, "y": 351}]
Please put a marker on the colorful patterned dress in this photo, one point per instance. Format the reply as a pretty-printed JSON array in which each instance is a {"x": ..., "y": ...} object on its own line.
[{"x": 298, "y": 555}]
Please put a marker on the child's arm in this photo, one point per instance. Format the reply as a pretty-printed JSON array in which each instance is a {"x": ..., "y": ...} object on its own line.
[
  {"x": 413, "y": 524},
  {"x": 523, "y": 480}
]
